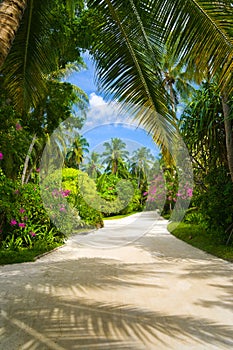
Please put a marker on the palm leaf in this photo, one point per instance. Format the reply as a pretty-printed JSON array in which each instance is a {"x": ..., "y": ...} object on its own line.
[
  {"x": 131, "y": 44},
  {"x": 128, "y": 57},
  {"x": 30, "y": 58},
  {"x": 201, "y": 34},
  {"x": 38, "y": 53}
]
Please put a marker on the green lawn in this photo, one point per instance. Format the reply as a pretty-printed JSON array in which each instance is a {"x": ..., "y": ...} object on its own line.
[
  {"x": 198, "y": 237},
  {"x": 23, "y": 255},
  {"x": 119, "y": 216}
]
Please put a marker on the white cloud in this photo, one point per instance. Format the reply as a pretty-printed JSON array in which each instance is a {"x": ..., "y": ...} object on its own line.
[
  {"x": 96, "y": 100},
  {"x": 101, "y": 112}
]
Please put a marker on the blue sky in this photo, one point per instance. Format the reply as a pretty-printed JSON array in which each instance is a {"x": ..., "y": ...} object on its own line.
[{"x": 106, "y": 120}]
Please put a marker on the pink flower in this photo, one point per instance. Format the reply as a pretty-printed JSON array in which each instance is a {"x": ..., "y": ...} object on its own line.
[
  {"x": 21, "y": 210},
  {"x": 1, "y": 156},
  {"x": 145, "y": 193},
  {"x": 25, "y": 218},
  {"x": 55, "y": 192},
  {"x": 16, "y": 192},
  {"x": 18, "y": 126},
  {"x": 38, "y": 170},
  {"x": 22, "y": 224},
  {"x": 65, "y": 193},
  {"x": 189, "y": 192},
  {"x": 13, "y": 222},
  {"x": 62, "y": 209},
  {"x": 32, "y": 233}
]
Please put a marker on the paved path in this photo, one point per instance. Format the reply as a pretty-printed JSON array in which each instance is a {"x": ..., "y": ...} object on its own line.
[{"x": 147, "y": 291}]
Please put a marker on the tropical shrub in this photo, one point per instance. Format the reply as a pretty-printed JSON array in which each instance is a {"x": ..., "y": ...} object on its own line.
[
  {"x": 23, "y": 219},
  {"x": 216, "y": 203},
  {"x": 118, "y": 195},
  {"x": 68, "y": 197}
]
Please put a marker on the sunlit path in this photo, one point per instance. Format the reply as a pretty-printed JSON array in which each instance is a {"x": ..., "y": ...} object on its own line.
[{"x": 153, "y": 293}]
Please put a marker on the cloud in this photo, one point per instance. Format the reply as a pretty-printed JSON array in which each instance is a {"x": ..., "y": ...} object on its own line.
[
  {"x": 96, "y": 100},
  {"x": 101, "y": 113}
]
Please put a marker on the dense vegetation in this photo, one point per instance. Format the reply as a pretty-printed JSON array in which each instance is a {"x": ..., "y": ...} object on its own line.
[{"x": 151, "y": 56}]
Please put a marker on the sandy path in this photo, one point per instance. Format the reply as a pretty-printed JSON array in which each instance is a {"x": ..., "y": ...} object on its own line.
[{"x": 100, "y": 293}]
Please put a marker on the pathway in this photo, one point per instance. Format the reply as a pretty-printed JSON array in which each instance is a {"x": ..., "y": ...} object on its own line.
[{"x": 131, "y": 285}]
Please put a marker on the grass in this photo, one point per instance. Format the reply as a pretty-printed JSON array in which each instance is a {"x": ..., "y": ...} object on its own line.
[
  {"x": 197, "y": 236},
  {"x": 24, "y": 254},
  {"x": 119, "y": 216}
]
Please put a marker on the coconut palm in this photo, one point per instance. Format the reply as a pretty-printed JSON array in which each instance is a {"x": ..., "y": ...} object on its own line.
[
  {"x": 142, "y": 160},
  {"x": 176, "y": 79},
  {"x": 75, "y": 155},
  {"x": 200, "y": 33},
  {"x": 114, "y": 155},
  {"x": 93, "y": 166},
  {"x": 11, "y": 13}
]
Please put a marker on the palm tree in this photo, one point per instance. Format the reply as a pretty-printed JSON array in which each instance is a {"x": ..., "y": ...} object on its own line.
[
  {"x": 142, "y": 160},
  {"x": 200, "y": 33},
  {"x": 11, "y": 13},
  {"x": 202, "y": 126},
  {"x": 114, "y": 154},
  {"x": 93, "y": 166},
  {"x": 40, "y": 49},
  {"x": 176, "y": 79},
  {"x": 75, "y": 155}
]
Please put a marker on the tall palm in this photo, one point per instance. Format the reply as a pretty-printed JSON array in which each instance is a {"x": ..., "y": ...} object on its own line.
[
  {"x": 115, "y": 153},
  {"x": 142, "y": 160},
  {"x": 93, "y": 166},
  {"x": 202, "y": 126},
  {"x": 176, "y": 79},
  {"x": 201, "y": 37},
  {"x": 11, "y": 13},
  {"x": 75, "y": 155}
]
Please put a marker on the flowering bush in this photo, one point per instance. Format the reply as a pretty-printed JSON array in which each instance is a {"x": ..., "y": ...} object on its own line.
[
  {"x": 163, "y": 193},
  {"x": 23, "y": 219},
  {"x": 65, "y": 201}
]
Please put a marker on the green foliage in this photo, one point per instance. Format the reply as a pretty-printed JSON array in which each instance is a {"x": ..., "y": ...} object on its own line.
[
  {"x": 120, "y": 196},
  {"x": 23, "y": 219},
  {"x": 216, "y": 202},
  {"x": 197, "y": 236},
  {"x": 69, "y": 199}
]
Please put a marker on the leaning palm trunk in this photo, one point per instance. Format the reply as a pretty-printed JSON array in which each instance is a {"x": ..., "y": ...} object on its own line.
[
  {"x": 228, "y": 133},
  {"x": 28, "y": 158},
  {"x": 11, "y": 13}
]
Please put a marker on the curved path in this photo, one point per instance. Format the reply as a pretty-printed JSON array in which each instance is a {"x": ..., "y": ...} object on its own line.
[{"x": 131, "y": 285}]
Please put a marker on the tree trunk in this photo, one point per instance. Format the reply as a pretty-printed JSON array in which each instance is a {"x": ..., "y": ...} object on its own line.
[
  {"x": 11, "y": 13},
  {"x": 27, "y": 159},
  {"x": 228, "y": 133}
]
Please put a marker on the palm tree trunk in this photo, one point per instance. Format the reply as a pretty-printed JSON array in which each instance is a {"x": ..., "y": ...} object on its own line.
[
  {"x": 228, "y": 133},
  {"x": 27, "y": 159},
  {"x": 11, "y": 13},
  {"x": 172, "y": 97}
]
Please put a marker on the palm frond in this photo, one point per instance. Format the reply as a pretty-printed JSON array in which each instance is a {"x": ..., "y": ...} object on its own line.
[
  {"x": 201, "y": 34},
  {"x": 132, "y": 41},
  {"x": 31, "y": 58},
  {"x": 128, "y": 57}
]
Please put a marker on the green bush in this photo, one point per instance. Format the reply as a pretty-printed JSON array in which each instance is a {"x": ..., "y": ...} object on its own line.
[
  {"x": 216, "y": 203},
  {"x": 119, "y": 196},
  {"x": 71, "y": 194},
  {"x": 23, "y": 218}
]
